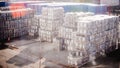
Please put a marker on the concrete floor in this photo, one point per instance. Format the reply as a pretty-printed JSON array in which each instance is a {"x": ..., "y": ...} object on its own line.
[
  {"x": 111, "y": 60},
  {"x": 29, "y": 53}
]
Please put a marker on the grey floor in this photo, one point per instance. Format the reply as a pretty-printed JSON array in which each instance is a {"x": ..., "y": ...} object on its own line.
[{"x": 35, "y": 50}]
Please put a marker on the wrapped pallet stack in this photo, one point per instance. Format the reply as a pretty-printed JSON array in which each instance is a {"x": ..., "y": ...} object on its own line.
[
  {"x": 50, "y": 21},
  {"x": 34, "y": 25},
  {"x": 93, "y": 35},
  {"x": 70, "y": 26},
  {"x": 14, "y": 23},
  {"x": 77, "y": 55}
]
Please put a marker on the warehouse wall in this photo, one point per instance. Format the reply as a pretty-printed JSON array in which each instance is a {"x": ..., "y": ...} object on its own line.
[{"x": 109, "y": 2}]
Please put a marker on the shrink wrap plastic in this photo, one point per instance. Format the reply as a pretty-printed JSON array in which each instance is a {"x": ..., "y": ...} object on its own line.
[
  {"x": 93, "y": 34},
  {"x": 14, "y": 26},
  {"x": 50, "y": 21}
]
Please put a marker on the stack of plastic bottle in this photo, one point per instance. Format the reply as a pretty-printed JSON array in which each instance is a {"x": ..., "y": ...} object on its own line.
[
  {"x": 94, "y": 35},
  {"x": 14, "y": 21},
  {"x": 70, "y": 25},
  {"x": 50, "y": 22}
]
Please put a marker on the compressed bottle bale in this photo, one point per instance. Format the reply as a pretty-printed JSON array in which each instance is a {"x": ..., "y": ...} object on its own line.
[
  {"x": 45, "y": 35},
  {"x": 50, "y": 22},
  {"x": 94, "y": 34},
  {"x": 14, "y": 27},
  {"x": 71, "y": 18}
]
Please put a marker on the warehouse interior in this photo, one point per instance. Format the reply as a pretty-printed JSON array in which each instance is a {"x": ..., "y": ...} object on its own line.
[{"x": 59, "y": 33}]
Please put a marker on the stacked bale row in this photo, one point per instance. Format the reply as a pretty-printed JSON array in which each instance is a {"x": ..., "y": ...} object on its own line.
[
  {"x": 50, "y": 21},
  {"x": 93, "y": 35},
  {"x": 70, "y": 26},
  {"x": 34, "y": 25},
  {"x": 14, "y": 23}
]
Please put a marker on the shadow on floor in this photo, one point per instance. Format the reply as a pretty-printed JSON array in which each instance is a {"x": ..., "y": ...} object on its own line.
[
  {"x": 111, "y": 60},
  {"x": 21, "y": 41},
  {"x": 32, "y": 54},
  {"x": 3, "y": 46},
  {"x": 28, "y": 56}
]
